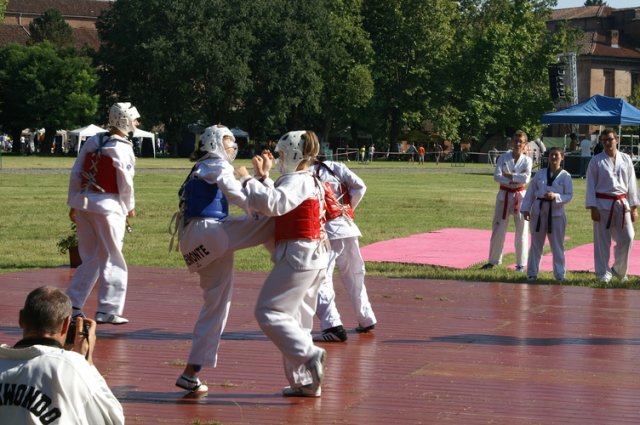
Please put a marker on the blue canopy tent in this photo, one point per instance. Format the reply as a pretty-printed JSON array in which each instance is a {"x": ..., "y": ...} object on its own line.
[{"x": 597, "y": 110}]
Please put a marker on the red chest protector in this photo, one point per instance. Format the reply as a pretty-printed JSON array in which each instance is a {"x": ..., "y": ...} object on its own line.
[
  {"x": 99, "y": 174},
  {"x": 303, "y": 222},
  {"x": 334, "y": 207}
]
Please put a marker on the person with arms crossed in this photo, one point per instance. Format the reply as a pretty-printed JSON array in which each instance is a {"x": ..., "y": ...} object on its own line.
[
  {"x": 287, "y": 301},
  {"x": 101, "y": 198},
  {"x": 612, "y": 199},
  {"x": 512, "y": 172},
  {"x": 41, "y": 382},
  {"x": 345, "y": 191},
  {"x": 543, "y": 205},
  {"x": 208, "y": 238}
]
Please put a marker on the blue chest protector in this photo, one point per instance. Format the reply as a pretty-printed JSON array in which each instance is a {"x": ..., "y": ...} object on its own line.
[{"x": 201, "y": 199}]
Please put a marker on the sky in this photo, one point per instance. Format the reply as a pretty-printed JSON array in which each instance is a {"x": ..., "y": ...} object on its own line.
[{"x": 617, "y": 4}]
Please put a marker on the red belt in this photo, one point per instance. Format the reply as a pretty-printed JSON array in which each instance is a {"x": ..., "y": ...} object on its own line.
[
  {"x": 506, "y": 200},
  {"x": 614, "y": 198}
]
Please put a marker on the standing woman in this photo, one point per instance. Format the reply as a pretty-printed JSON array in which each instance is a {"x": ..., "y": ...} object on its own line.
[
  {"x": 549, "y": 191},
  {"x": 287, "y": 302},
  {"x": 100, "y": 198},
  {"x": 209, "y": 236}
]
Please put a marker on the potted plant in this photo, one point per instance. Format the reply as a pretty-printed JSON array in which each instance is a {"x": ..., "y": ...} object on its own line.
[{"x": 69, "y": 243}]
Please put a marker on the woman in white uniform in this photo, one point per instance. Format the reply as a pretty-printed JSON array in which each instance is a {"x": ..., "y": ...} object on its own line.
[
  {"x": 101, "y": 197},
  {"x": 208, "y": 238},
  {"x": 343, "y": 233},
  {"x": 287, "y": 301},
  {"x": 549, "y": 191}
]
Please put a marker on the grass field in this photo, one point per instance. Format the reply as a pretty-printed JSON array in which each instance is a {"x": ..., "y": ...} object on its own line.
[{"x": 402, "y": 199}]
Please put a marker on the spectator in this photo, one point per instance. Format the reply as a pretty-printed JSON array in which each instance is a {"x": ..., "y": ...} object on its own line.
[
  {"x": 412, "y": 151},
  {"x": 612, "y": 199},
  {"x": 58, "y": 385},
  {"x": 363, "y": 153},
  {"x": 437, "y": 149},
  {"x": 372, "y": 151},
  {"x": 585, "y": 155},
  {"x": 421, "y": 152},
  {"x": 573, "y": 144},
  {"x": 493, "y": 155}
]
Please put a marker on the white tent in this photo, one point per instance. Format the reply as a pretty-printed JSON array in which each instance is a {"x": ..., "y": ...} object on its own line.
[
  {"x": 141, "y": 134},
  {"x": 79, "y": 135},
  {"x": 238, "y": 132}
]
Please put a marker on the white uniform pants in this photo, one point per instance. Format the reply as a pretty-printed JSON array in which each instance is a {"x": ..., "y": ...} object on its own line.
[
  {"x": 556, "y": 240},
  {"x": 216, "y": 281},
  {"x": 284, "y": 310},
  {"x": 499, "y": 233},
  {"x": 100, "y": 239},
  {"x": 621, "y": 235},
  {"x": 345, "y": 252}
]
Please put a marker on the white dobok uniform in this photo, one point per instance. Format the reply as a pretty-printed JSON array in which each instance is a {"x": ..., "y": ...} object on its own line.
[
  {"x": 508, "y": 202},
  {"x": 43, "y": 384},
  {"x": 547, "y": 218},
  {"x": 101, "y": 222},
  {"x": 287, "y": 302},
  {"x": 343, "y": 234},
  {"x": 611, "y": 187},
  {"x": 207, "y": 245}
]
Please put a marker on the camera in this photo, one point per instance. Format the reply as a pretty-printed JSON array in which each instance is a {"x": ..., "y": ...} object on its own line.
[{"x": 71, "y": 334}]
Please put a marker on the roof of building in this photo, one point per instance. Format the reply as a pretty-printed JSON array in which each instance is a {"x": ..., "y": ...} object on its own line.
[
  {"x": 580, "y": 13},
  {"x": 91, "y": 8}
]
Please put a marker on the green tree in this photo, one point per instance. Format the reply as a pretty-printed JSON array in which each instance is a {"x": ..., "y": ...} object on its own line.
[
  {"x": 346, "y": 56},
  {"x": 3, "y": 8},
  {"x": 499, "y": 67},
  {"x": 411, "y": 40},
  {"x": 51, "y": 26},
  {"x": 179, "y": 61},
  {"x": 43, "y": 86},
  {"x": 595, "y": 3}
]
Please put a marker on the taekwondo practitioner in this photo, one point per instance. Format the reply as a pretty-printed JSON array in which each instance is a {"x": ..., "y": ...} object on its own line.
[
  {"x": 208, "y": 238},
  {"x": 612, "y": 199},
  {"x": 543, "y": 206},
  {"x": 512, "y": 172},
  {"x": 344, "y": 191},
  {"x": 287, "y": 302},
  {"x": 101, "y": 198}
]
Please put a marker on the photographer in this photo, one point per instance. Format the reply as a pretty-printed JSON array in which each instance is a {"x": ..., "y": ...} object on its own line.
[{"x": 40, "y": 381}]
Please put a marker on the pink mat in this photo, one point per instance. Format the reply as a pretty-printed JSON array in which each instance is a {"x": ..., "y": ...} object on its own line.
[
  {"x": 580, "y": 259},
  {"x": 456, "y": 248}
]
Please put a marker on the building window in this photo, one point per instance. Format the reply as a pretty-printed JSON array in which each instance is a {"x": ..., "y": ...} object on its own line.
[{"x": 609, "y": 82}]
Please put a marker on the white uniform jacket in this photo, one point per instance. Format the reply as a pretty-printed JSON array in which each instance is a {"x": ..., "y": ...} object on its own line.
[
  {"x": 276, "y": 199},
  {"x": 42, "y": 384},
  {"x": 342, "y": 227},
  {"x": 603, "y": 176},
  {"x": 196, "y": 236},
  {"x": 121, "y": 151},
  {"x": 520, "y": 170},
  {"x": 562, "y": 186}
]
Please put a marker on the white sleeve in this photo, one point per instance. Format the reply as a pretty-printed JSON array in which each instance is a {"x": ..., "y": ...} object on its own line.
[{"x": 103, "y": 407}]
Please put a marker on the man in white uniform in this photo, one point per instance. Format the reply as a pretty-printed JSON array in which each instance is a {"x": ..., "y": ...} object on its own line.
[
  {"x": 513, "y": 171},
  {"x": 612, "y": 198},
  {"x": 101, "y": 198},
  {"x": 347, "y": 190},
  {"x": 41, "y": 382}
]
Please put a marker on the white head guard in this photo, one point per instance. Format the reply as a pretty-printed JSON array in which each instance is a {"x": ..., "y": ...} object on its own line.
[
  {"x": 290, "y": 149},
  {"x": 211, "y": 141},
  {"x": 122, "y": 116}
]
